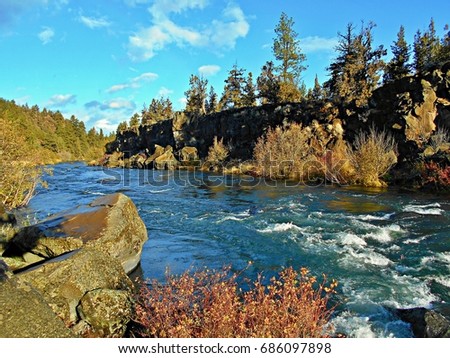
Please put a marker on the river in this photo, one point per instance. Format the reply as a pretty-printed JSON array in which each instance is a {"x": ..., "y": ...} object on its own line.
[{"x": 387, "y": 249}]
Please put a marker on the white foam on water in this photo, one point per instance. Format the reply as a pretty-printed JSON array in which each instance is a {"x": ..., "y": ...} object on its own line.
[
  {"x": 384, "y": 234},
  {"x": 415, "y": 241},
  {"x": 94, "y": 193},
  {"x": 443, "y": 280},
  {"x": 369, "y": 257},
  {"x": 373, "y": 217},
  {"x": 280, "y": 228},
  {"x": 160, "y": 191},
  {"x": 353, "y": 326},
  {"x": 352, "y": 240},
  {"x": 430, "y": 209},
  {"x": 444, "y": 257}
]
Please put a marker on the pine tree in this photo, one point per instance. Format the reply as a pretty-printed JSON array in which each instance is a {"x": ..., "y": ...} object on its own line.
[
  {"x": 444, "y": 53},
  {"x": 268, "y": 84},
  {"x": 196, "y": 95},
  {"x": 249, "y": 95},
  {"x": 232, "y": 96},
  {"x": 356, "y": 71},
  {"x": 211, "y": 103},
  {"x": 134, "y": 120},
  {"x": 398, "y": 67},
  {"x": 317, "y": 91},
  {"x": 427, "y": 49},
  {"x": 286, "y": 49}
]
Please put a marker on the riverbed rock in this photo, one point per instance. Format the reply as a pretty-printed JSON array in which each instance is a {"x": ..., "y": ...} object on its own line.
[
  {"x": 24, "y": 313},
  {"x": 426, "y": 323},
  {"x": 189, "y": 154},
  {"x": 64, "y": 284},
  {"x": 110, "y": 224},
  {"x": 105, "y": 313}
]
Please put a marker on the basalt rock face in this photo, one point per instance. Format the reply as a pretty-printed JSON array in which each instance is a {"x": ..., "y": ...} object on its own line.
[
  {"x": 239, "y": 129},
  {"x": 74, "y": 267}
]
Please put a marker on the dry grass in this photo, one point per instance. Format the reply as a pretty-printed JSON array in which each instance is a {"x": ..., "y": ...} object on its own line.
[
  {"x": 283, "y": 153},
  {"x": 217, "y": 153},
  {"x": 373, "y": 155},
  {"x": 209, "y": 304}
]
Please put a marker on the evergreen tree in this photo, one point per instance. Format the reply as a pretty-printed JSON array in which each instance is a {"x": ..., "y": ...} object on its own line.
[
  {"x": 444, "y": 52},
  {"x": 123, "y": 126},
  {"x": 233, "y": 91},
  {"x": 317, "y": 94},
  {"x": 134, "y": 120},
  {"x": 211, "y": 103},
  {"x": 268, "y": 84},
  {"x": 286, "y": 50},
  {"x": 398, "y": 67},
  {"x": 356, "y": 71},
  {"x": 159, "y": 110},
  {"x": 249, "y": 95},
  {"x": 196, "y": 95},
  {"x": 427, "y": 47}
]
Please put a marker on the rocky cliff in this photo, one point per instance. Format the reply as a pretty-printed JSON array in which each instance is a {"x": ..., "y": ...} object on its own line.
[{"x": 411, "y": 109}]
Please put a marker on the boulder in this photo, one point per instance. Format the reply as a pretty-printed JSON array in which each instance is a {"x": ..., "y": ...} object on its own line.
[
  {"x": 65, "y": 284},
  {"x": 104, "y": 313},
  {"x": 426, "y": 323},
  {"x": 189, "y": 154},
  {"x": 24, "y": 313},
  {"x": 166, "y": 161},
  {"x": 110, "y": 224}
]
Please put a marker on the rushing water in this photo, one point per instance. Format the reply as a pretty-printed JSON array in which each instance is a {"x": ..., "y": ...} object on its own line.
[{"x": 387, "y": 249}]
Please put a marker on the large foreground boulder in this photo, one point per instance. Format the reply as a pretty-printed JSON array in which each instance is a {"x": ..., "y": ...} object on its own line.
[
  {"x": 71, "y": 272},
  {"x": 110, "y": 224},
  {"x": 70, "y": 285},
  {"x": 25, "y": 313}
]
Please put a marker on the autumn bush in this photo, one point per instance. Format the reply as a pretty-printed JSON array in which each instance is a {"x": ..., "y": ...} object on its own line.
[
  {"x": 217, "y": 153},
  {"x": 19, "y": 173},
  {"x": 373, "y": 155},
  {"x": 210, "y": 304},
  {"x": 283, "y": 153}
]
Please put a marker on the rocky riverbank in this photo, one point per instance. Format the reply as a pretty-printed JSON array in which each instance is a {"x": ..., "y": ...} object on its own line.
[
  {"x": 415, "y": 110},
  {"x": 67, "y": 276}
]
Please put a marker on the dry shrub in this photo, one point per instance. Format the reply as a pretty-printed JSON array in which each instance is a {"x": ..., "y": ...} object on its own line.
[
  {"x": 209, "y": 304},
  {"x": 217, "y": 153},
  {"x": 283, "y": 153},
  {"x": 334, "y": 165},
  {"x": 19, "y": 174},
  {"x": 439, "y": 138},
  {"x": 373, "y": 156}
]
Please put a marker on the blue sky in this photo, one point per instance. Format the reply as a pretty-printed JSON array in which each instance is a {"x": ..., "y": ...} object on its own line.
[{"x": 102, "y": 60}]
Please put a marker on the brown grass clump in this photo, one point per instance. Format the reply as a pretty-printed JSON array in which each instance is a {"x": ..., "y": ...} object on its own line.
[
  {"x": 217, "y": 153},
  {"x": 283, "y": 153},
  {"x": 373, "y": 156},
  {"x": 209, "y": 304}
]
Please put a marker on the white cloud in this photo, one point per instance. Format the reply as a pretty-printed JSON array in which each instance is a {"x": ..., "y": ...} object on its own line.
[
  {"x": 218, "y": 35},
  {"x": 224, "y": 34},
  {"x": 61, "y": 100},
  {"x": 315, "y": 43},
  {"x": 208, "y": 70},
  {"x": 135, "y": 82},
  {"x": 46, "y": 35},
  {"x": 106, "y": 125},
  {"x": 164, "y": 92},
  {"x": 93, "y": 22},
  {"x": 118, "y": 104}
]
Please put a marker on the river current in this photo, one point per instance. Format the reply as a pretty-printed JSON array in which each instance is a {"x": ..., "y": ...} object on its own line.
[{"x": 386, "y": 248}]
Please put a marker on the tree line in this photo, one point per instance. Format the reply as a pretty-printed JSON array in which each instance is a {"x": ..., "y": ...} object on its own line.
[{"x": 357, "y": 70}]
